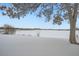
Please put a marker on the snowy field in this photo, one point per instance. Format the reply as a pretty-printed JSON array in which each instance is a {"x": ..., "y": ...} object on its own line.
[{"x": 38, "y": 43}]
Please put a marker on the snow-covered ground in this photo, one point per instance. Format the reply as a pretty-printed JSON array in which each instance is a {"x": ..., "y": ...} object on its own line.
[{"x": 37, "y": 43}]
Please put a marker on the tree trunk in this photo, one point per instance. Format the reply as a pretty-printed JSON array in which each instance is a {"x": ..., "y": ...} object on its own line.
[
  {"x": 73, "y": 19},
  {"x": 72, "y": 38}
]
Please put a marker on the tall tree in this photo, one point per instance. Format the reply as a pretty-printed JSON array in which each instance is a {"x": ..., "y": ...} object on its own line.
[{"x": 57, "y": 12}]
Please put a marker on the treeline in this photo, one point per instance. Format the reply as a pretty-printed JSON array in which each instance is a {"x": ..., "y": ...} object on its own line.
[{"x": 39, "y": 29}]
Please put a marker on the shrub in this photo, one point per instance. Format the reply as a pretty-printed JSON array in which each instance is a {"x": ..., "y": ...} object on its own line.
[{"x": 9, "y": 29}]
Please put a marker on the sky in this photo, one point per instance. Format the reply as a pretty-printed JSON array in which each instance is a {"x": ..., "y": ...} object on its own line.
[{"x": 31, "y": 21}]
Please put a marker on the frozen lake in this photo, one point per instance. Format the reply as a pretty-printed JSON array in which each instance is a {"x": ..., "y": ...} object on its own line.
[
  {"x": 37, "y": 43},
  {"x": 46, "y": 33}
]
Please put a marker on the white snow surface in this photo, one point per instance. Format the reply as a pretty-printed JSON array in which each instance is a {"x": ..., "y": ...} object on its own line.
[{"x": 38, "y": 43}]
